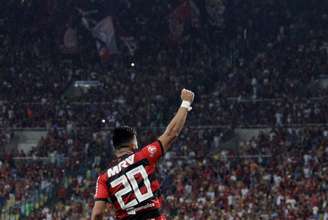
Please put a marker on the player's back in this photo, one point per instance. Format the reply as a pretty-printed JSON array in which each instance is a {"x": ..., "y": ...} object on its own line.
[{"x": 130, "y": 183}]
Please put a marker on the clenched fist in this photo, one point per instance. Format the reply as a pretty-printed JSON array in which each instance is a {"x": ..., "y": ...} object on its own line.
[{"x": 187, "y": 95}]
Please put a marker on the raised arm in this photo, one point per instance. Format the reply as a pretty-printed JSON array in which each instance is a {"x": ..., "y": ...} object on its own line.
[{"x": 175, "y": 126}]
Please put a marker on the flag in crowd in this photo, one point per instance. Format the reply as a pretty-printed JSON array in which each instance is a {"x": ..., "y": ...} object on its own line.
[
  {"x": 104, "y": 33},
  {"x": 185, "y": 13}
]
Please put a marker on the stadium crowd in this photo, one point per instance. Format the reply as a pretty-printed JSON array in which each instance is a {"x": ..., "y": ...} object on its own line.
[
  {"x": 275, "y": 175},
  {"x": 25, "y": 185},
  {"x": 247, "y": 72},
  {"x": 281, "y": 69}
]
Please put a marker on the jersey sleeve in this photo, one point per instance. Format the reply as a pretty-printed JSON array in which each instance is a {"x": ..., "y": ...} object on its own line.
[
  {"x": 153, "y": 152},
  {"x": 101, "y": 189}
]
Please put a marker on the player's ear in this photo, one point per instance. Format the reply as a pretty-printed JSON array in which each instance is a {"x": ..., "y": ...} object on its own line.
[
  {"x": 134, "y": 143},
  {"x": 134, "y": 146}
]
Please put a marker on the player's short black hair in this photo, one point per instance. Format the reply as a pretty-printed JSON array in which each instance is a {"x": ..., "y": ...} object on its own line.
[{"x": 122, "y": 135}]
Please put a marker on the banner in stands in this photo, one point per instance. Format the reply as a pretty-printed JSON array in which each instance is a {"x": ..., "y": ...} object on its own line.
[
  {"x": 187, "y": 11},
  {"x": 104, "y": 32},
  {"x": 177, "y": 20}
]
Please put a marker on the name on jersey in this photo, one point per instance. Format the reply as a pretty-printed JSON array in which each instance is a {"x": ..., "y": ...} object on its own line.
[{"x": 123, "y": 164}]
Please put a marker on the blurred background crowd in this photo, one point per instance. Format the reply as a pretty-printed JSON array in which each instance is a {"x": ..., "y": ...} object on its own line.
[{"x": 76, "y": 69}]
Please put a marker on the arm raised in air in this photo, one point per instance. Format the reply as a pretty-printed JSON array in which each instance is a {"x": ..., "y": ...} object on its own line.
[{"x": 177, "y": 123}]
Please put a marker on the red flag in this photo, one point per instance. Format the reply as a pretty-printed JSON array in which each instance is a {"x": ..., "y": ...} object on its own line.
[
  {"x": 29, "y": 113},
  {"x": 177, "y": 20}
]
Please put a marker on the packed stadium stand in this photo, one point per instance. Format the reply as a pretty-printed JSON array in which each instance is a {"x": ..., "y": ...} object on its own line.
[{"x": 256, "y": 142}]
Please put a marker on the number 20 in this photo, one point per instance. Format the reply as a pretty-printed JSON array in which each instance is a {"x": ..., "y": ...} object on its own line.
[{"x": 130, "y": 183}]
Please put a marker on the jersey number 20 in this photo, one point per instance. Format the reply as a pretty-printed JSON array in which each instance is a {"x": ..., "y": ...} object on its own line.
[{"x": 130, "y": 184}]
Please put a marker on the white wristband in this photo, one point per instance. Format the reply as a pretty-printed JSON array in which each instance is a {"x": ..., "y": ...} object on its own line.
[{"x": 186, "y": 104}]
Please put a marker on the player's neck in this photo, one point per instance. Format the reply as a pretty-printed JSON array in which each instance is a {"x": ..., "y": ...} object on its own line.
[{"x": 123, "y": 151}]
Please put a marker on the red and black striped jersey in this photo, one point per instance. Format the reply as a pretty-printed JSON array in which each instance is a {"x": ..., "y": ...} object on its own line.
[{"x": 130, "y": 183}]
